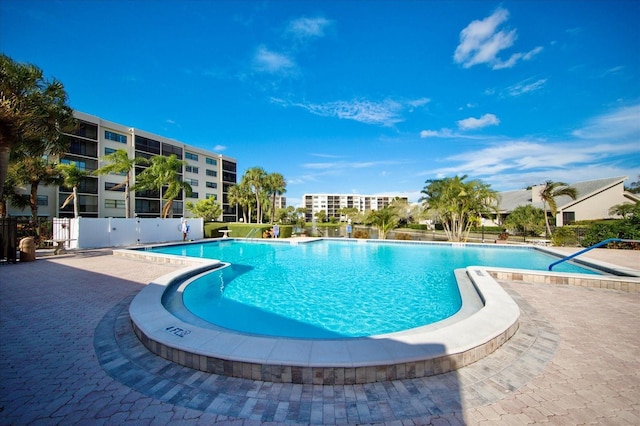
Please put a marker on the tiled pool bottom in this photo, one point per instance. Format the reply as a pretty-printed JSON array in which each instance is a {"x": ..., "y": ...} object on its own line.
[{"x": 426, "y": 351}]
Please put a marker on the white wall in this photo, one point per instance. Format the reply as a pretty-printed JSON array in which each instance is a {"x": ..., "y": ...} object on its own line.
[{"x": 116, "y": 232}]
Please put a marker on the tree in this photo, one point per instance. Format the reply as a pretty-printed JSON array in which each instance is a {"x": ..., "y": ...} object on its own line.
[
  {"x": 321, "y": 216},
  {"x": 275, "y": 185},
  {"x": 33, "y": 113},
  {"x": 72, "y": 177},
  {"x": 349, "y": 213},
  {"x": 255, "y": 178},
  {"x": 34, "y": 171},
  {"x": 301, "y": 217},
  {"x": 163, "y": 171},
  {"x": 634, "y": 187},
  {"x": 385, "y": 220},
  {"x": 458, "y": 205},
  {"x": 526, "y": 218},
  {"x": 626, "y": 210},
  {"x": 402, "y": 210},
  {"x": 120, "y": 163},
  {"x": 207, "y": 209},
  {"x": 241, "y": 195},
  {"x": 11, "y": 194},
  {"x": 548, "y": 194}
]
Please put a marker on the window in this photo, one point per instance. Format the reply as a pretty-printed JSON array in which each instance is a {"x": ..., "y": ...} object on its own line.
[
  {"x": 115, "y": 136},
  {"x": 82, "y": 165},
  {"x": 212, "y": 185},
  {"x": 114, "y": 204},
  {"x": 147, "y": 206},
  {"x": 191, "y": 169},
  {"x": 214, "y": 196},
  {"x": 568, "y": 218},
  {"x": 82, "y": 147},
  {"x": 211, "y": 161},
  {"x": 87, "y": 130},
  {"x": 191, "y": 156},
  {"x": 147, "y": 145},
  {"x": 212, "y": 173},
  {"x": 168, "y": 150},
  {"x": 192, "y": 182},
  {"x": 194, "y": 195},
  {"x": 108, "y": 151},
  {"x": 43, "y": 200},
  {"x": 109, "y": 186}
]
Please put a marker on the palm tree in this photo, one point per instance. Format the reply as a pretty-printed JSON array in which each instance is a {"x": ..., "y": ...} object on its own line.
[
  {"x": 241, "y": 195},
  {"x": 11, "y": 193},
  {"x": 33, "y": 113},
  {"x": 72, "y": 177},
  {"x": 548, "y": 194},
  {"x": 120, "y": 163},
  {"x": 385, "y": 220},
  {"x": 275, "y": 185},
  {"x": 527, "y": 218},
  {"x": 35, "y": 171},
  {"x": 163, "y": 175},
  {"x": 255, "y": 178},
  {"x": 458, "y": 204}
]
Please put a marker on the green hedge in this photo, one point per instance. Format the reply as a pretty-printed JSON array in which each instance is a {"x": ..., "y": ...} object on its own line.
[
  {"x": 241, "y": 230},
  {"x": 212, "y": 229}
]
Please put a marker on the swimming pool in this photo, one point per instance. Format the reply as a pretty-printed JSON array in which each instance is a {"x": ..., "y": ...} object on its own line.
[{"x": 332, "y": 289}]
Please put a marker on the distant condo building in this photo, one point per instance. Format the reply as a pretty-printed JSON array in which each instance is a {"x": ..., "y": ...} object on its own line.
[
  {"x": 209, "y": 174},
  {"x": 331, "y": 204}
]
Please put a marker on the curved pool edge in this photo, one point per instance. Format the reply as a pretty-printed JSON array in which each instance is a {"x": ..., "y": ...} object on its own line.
[{"x": 438, "y": 348}]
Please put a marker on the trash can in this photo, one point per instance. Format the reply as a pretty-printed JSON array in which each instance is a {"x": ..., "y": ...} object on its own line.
[{"x": 27, "y": 249}]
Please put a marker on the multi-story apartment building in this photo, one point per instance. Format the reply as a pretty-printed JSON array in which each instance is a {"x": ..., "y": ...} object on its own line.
[
  {"x": 209, "y": 174},
  {"x": 331, "y": 204}
]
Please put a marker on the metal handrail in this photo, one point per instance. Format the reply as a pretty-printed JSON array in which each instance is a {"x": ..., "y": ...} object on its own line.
[
  {"x": 252, "y": 231},
  {"x": 601, "y": 243}
]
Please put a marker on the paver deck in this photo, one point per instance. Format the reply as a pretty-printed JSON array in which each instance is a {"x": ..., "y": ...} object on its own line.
[{"x": 67, "y": 356}]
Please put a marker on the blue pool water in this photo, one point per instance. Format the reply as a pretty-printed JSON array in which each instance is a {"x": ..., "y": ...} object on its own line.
[{"x": 337, "y": 289}]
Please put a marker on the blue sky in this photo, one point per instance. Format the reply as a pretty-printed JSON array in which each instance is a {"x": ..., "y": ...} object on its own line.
[{"x": 368, "y": 97}]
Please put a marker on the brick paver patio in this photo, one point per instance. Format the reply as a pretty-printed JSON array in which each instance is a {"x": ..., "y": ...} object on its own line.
[{"x": 67, "y": 356}]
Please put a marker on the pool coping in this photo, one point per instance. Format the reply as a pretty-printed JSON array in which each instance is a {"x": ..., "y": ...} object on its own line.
[{"x": 423, "y": 351}]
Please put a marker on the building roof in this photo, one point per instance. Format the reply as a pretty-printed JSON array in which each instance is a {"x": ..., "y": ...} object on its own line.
[{"x": 509, "y": 200}]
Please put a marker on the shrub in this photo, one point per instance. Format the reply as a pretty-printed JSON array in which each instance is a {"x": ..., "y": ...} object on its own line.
[
  {"x": 564, "y": 236},
  {"x": 360, "y": 233},
  {"x": 624, "y": 229},
  {"x": 403, "y": 236},
  {"x": 212, "y": 229},
  {"x": 503, "y": 236}
]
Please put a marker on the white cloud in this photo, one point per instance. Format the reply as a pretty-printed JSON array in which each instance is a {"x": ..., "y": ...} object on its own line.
[
  {"x": 477, "y": 123},
  {"x": 621, "y": 124},
  {"x": 219, "y": 148},
  {"x": 518, "y": 156},
  {"x": 306, "y": 28},
  {"x": 384, "y": 113},
  {"x": 272, "y": 62},
  {"x": 442, "y": 133},
  {"x": 525, "y": 87},
  {"x": 482, "y": 41}
]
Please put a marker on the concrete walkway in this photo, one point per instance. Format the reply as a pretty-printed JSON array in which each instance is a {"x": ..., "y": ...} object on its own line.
[{"x": 67, "y": 356}]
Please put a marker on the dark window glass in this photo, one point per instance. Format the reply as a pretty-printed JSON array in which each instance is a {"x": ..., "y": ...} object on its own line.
[
  {"x": 168, "y": 149},
  {"x": 87, "y": 130},
  {"x": 82, "y": 147},
  {"x": 147, "y": 145}
]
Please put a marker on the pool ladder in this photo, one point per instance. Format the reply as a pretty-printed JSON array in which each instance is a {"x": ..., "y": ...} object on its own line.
[{"x": 600, "y": 244}]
